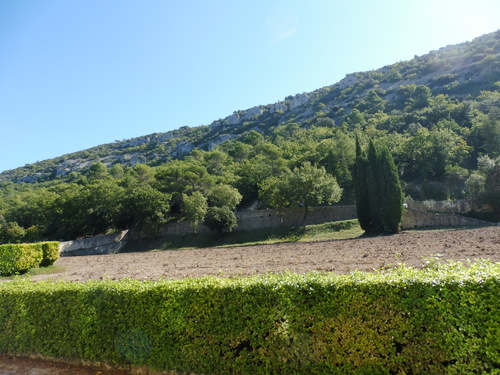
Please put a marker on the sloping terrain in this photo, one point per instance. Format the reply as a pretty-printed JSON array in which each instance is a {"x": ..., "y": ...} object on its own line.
[{"x": 459, "y": 71}]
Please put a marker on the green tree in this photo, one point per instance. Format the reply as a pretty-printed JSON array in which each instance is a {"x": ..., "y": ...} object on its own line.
[
  {"x": 372, "y": 103},
  {"x": 221, "y": 219},
  {"x": 379, "y": 197},
  {"x": 275, "y": 192},
  {"x": 313, "y": 185},
  {"x": 492, "y": 187},
  {"x": 179, "y": 177},
  {"x": 97, "y": 171},
  {"x": 102, "y": 202},
  {"x": 337, "y": 155},
  {"x": 223, "y": 195},
  {"x": 142, "y": 175},
  {"x": 304, "y": 186},
  {"x": 361, "y": 187},
  {"x": 428, "y": 153},
  {"x": 117, "y": 171},
  {"x": 356, "y": 120},
  {"x": 391, "y": 192},
  {"x": 144, "y": 210},
  {"x": 195, "y": 207},
  {"x": 484, "y": 184},
  {"x": 12, "y": 233}
]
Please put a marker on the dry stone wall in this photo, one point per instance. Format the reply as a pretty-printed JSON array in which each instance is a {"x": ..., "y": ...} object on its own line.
[{"x": 255, "y": 219}]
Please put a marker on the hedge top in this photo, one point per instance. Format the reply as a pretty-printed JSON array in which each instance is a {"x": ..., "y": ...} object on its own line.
[{"x": 452, "y": 272}]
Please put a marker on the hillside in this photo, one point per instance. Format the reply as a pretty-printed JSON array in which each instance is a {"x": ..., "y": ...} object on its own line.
[
  {"x": 460, "y": 71},
  {"x": 437, "y": 114}
]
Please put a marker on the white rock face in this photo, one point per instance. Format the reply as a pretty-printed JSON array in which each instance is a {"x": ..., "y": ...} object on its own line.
[
  {"x": 240, "y": 116},
  {"x": 349, "y": 80},
  {"x": 136, "y": 142},
  {"x": 137, "y": 159},
  {"x": 233, "y": 119},
  {"x": 250, "y": 113},
  {"x": 31, "y": 179},
  {"x": 280, "y": 106},
  {"x": 132, "y": 159},
  {"x": 215, "y": 142},
  {"x": 299, "y": 100},
  {"x": 184, "y": 148},
  {"x": 164, "y": 137}
]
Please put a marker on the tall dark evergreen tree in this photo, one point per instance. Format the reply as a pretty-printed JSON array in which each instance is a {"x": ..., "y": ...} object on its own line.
[
  {"x": 361, "y": 188},
  {"x": 392, "y": 193},
  {"x": 375, "y": 184},
  {"x": 379, "y": 197}
]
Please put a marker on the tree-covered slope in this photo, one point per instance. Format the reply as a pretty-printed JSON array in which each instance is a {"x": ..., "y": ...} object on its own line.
[
  {"x": 437, "y": 114},
  {"x": 460, "y": 72}
]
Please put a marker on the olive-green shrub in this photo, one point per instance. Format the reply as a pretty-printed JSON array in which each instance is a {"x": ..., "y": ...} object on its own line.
[
  {"x": 16, "y": 258},
  {"x": 50, "y": 251},
  {"x": 443, "y": 320}
]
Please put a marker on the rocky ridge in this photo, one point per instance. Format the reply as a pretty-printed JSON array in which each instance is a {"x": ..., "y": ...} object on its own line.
[{"x": 459, "y": 70}]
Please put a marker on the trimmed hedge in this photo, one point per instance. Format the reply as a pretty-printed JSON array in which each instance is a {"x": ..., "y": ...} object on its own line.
[
  {"x": 18, "y": 258},
  {"x": 444, "y": 320},
  {"x": 50, "y": 250}
]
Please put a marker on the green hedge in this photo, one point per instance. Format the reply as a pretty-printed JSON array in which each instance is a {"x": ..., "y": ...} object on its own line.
[
  {"x": 18, "y": 258},
  {"x": 444, "y": 320},
  {"x": 50, "y": 252}
]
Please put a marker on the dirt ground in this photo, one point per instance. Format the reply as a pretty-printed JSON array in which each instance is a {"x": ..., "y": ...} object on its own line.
[
  {"x": 12, "y": 365},
  {"x": 338, "y": 256}
]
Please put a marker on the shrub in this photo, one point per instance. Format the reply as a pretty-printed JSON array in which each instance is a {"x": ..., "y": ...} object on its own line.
[
  {"x": 50, "y": 253},
  {"x": 405, "y": 321},
  {"x": 18, "y": 258}
]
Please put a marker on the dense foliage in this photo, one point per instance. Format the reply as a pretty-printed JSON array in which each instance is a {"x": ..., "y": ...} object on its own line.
[
  {"x": 437, "y": 114},
  {"x": 18, "y": 258},
  {"x": 379, "y": 198},
  {"x": 441, "y": 320}
]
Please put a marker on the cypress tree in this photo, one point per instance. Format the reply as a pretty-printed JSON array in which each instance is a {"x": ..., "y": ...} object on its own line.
[
  {"x": 379, "y": 197},
  {"x": 393, "y": 202},
  {"x": 375, "y": 186},
  {"x": 361, "y": 188}
]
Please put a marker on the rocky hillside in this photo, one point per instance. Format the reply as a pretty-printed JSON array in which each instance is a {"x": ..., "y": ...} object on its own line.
[{"x": 459, "y": 71}]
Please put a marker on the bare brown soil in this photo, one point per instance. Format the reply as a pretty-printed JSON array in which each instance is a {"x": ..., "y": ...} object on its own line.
[
  {"x": 338, "y": 256},
  {"x": 12, "y": 365}
]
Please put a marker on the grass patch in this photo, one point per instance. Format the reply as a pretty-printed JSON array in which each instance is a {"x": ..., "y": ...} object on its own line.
[{"x": 322, "y": 232}]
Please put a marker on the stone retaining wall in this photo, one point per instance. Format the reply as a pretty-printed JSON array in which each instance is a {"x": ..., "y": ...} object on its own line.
[
  {"x": 454, "y": 206},
  {"x": 249, "y": 220},
  {"x": 104, "y": 244},
  {"x": 421, "y": 219}
]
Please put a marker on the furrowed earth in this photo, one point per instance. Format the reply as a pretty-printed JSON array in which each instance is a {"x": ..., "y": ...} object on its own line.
[
  {"x": 412, "y": 248},
  {"x": 339, "y": 256}
]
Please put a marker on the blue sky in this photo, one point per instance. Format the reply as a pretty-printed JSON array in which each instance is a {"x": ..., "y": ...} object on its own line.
[{"x": 80, "y": 73}]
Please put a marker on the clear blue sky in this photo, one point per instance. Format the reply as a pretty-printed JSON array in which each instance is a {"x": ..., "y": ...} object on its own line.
[{"x": 79, "y": 73}]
